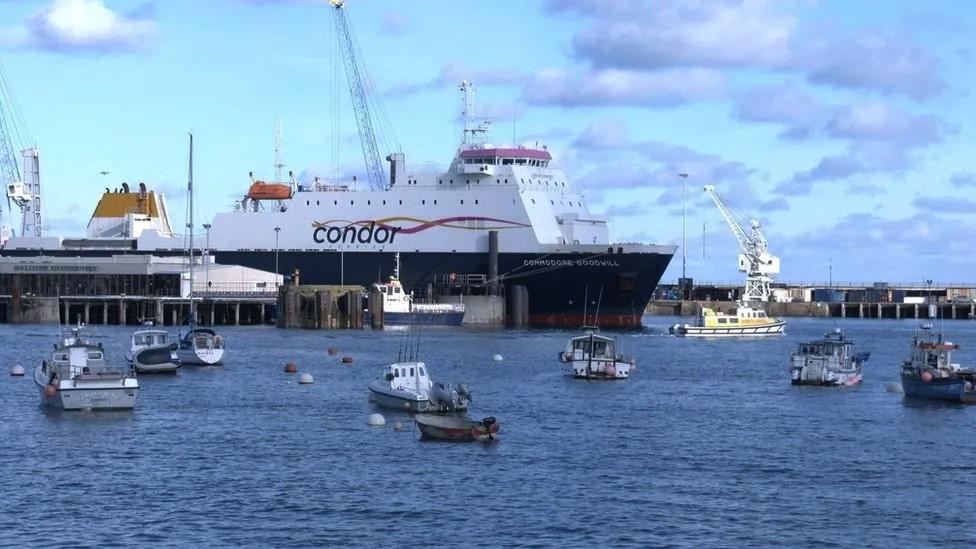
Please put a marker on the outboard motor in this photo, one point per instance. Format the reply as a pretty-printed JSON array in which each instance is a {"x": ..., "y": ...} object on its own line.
[
  {"x": 464, "y": 395},
  {"x": 443, "y": 396}
]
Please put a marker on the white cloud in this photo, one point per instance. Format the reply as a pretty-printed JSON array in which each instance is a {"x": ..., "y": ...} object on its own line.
[
  {"x": 88, "y": 26},
  {"x": 623, "y": 87}
]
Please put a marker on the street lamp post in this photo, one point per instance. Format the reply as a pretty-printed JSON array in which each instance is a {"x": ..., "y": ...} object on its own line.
[
  {"x": 684, "y": 236},
  {"x": 276, "y": 230}
]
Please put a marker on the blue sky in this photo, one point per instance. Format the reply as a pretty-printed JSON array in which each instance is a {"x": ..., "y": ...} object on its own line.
[{"x": 844, "y": 126}]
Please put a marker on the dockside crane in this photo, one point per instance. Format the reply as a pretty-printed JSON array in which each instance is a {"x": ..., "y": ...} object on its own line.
[
  {"x": 22, "y": 188},
  {"x": 755, "y": 260},
  {"x": 360, "y": 103}
]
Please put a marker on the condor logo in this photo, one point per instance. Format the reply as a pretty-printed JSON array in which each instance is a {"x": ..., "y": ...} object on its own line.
[{"x": 351, "y": 234}]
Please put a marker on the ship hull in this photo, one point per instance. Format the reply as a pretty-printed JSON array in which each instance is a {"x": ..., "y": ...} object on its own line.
[
  {"x": 952, "y": 389},
  {"x": 617, "y": 286}
]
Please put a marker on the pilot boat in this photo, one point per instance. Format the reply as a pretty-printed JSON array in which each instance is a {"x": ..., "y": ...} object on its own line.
[
  {"x": 594, "y": 356},
  {"x": 77, "y": 377},
  {"x": 152, "y": 353},
  {"x": 407, "y": 386},
  {"x": 831, "y": 361},
  {"x": 743, "y": 321},
  {"x": 930, "y": 373},
  {"x": 399, "y": 307}
]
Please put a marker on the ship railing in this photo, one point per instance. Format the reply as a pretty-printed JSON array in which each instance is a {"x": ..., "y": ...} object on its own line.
[{"x": 460, "y": 280}]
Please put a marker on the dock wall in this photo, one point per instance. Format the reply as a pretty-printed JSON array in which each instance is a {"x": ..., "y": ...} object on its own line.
[{"x": 824, "y": 310}]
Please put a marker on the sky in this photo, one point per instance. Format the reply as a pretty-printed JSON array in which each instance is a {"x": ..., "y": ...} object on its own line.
[{"x": 844, "y": 127}]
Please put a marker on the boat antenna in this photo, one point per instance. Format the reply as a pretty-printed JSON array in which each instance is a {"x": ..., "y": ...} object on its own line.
[
  {"x": 586, "y": 301},
  {"x": 596, "y": 317}
]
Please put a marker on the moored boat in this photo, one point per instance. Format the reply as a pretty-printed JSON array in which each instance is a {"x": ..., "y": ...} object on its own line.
[
  {"x": 594, "y": 356},
  {"x": 151, "y": 352},
  {"x": 407, "y": 386},
  {"x": 830, "y": 361},
  {"x": 77, "y": 377},
  {"x": 457, "y": 429},
  {"x": 930, "y": 373},
  {"x": 744, "y": 321},
  {"x": 399, "y": 307}
]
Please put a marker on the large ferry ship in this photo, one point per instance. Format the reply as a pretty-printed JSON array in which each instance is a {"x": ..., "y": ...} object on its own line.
[{"x": 439, "y": 223}]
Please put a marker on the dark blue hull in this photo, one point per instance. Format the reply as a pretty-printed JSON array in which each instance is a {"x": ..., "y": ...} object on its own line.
[
  {"x": 951, "y": 389},
  {"x": 423, "y": 319}
]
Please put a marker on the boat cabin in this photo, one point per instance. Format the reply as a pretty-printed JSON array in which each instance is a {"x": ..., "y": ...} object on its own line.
[
  {"x": 149, "y": 338},
  {"x": 395, "y": 299},
  {"x": 742, "y": 316},
  {"x": 933, "y": 354},
  {"x": 592, "y": 346},
  {"x": 408, "y": 376},
  {"x": 832, "y": 345}
]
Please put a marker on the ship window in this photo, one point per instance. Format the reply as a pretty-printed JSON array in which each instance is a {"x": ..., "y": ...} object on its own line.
[
  {"x": 396, "y": 372},
  {"x": 94, "y": 356},
  {"x": 523, "y": 182},
  {"x": 498, "y": 181},
  {"x": 435, "y": 202},
  {"x": 401, "y": 203},
  {"x": 506, "y": 180},
  {"x": 533, "y": 201},
  {"x": 335, "y": 202},
  {"x": 384, "y": 202},
  {"x": 506, "y": 161},
  {"x": 734, "y": 320},
  {"x": 467, "y": 181},
  {"x": 411, "y": 372},
  {"x": 352, "y": 202},
  {"x": 553, "y": 202},
  {"x": 475, "y": 200},
  {"x": 307, "y": 203},
  {"x": 462, "y": 202},
  {"x": 421, "y": 369},
  {"x": 423, "y": 201},
  {"x": 440, "y": 181},
  {"x": 451, "y": 181},
  {"x": 721, "y": 321},
  {"x": 369, "y": 202}
]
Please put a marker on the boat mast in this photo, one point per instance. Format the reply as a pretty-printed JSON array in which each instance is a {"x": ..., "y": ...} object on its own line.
[{"x": 189, "y": 186}]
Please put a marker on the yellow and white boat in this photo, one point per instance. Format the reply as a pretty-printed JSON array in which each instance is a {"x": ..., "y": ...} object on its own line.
[{"x": 745, "y": 322}]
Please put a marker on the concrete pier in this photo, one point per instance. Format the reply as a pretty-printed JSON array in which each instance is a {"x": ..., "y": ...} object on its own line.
[
  {"x": 893, "y": 311},
  {"x": 320, "y": 307}
]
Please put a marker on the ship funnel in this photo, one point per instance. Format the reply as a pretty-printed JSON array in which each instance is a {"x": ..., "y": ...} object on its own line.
[{"x": 397, "y": 168}]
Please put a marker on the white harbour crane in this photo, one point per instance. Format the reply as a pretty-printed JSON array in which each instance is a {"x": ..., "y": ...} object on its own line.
[
  {"x": 755, "y": 260},
  {"x": 23, "y": 187}
]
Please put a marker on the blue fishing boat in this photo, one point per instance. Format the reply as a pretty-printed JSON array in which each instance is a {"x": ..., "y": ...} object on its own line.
[{"x": 930, "y": 372}]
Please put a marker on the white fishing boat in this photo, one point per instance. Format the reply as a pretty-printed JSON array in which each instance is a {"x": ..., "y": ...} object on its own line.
[
  {"x": 198, "y": 346},
  {"x": 743, "y": 321},
  {"x": 151, "y": 352},
  {"x": 77, "y": 377},
  {"x": 399, "y": 307},
  {"x": 594, "y": 356},
  {"x": 407, "y": 386},
  {"x": 830, "y": 361}
]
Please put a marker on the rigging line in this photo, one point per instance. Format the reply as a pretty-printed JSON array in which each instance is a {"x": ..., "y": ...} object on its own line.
[
  {"x": 386, "y": 128},
  {"x": 11, "y": 109}
]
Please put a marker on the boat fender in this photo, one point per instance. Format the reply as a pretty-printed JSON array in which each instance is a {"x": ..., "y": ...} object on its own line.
[
  {"x": 566, "y": 357},
  {"x": 968, "y": 387},
  {"x": 50, "y": 390},
  {"x": 611, "y": 370},
  {"x": 218, "y": 340},
  {"x": 926, "y": 376}
]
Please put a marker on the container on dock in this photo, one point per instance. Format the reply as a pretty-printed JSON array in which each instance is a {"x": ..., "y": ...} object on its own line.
[
  {"x": 898, "y": 296},
  {"x": 856, "y": 296},
  {"x": 828, "y": 295}
]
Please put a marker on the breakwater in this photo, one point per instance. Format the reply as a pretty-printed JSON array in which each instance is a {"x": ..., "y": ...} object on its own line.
[{"x": 823, "y": 310}]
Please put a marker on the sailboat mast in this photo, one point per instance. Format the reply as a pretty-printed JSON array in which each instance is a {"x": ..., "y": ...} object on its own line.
[{"x": 189, "y": 186}]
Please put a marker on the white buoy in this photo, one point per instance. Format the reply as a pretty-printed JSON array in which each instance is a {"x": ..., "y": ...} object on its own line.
[
  {"x": 306, "y": 379},
  {"x": 398, "y": 426},
  {"x": 894, "y": 387},
  {"x": 375, "y": 420},
  {"x": 498, "y": 358},
  {"x": 17, "y": 370}
]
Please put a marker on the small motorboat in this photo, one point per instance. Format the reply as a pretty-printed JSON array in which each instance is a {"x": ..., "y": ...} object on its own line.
[
  {"x": 407, "y": 386},
  {"x": 399, "y": 308},
  {"x": 930, "y": 372},
  {"x": 456, "y": 429},
  {"x": 152, "y": 353},
  {"x": 829, "y": 361},
  {"x": 77, "y": 377},
  {"x": 594, "y": 356},
  {"x": 744, "y": 321}
]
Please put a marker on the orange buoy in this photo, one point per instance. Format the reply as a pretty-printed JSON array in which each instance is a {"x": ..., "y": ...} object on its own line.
[
  {"x": 347, "y": 360},
  {"x": 291, "y": 368},
  {"x": 333, "y": 351},
  {"x": 927, "y": 376},
  {"x": 50, "y": 390}
]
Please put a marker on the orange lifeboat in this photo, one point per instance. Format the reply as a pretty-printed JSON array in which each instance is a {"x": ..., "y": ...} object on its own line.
[{"x": 260, "y": 190}]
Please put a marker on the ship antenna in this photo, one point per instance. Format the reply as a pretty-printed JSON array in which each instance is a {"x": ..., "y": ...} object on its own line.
[{"x": 279, "y": 143}]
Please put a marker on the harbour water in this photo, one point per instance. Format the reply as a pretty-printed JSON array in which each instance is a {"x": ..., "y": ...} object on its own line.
[{"x": 706, "y": 444}]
